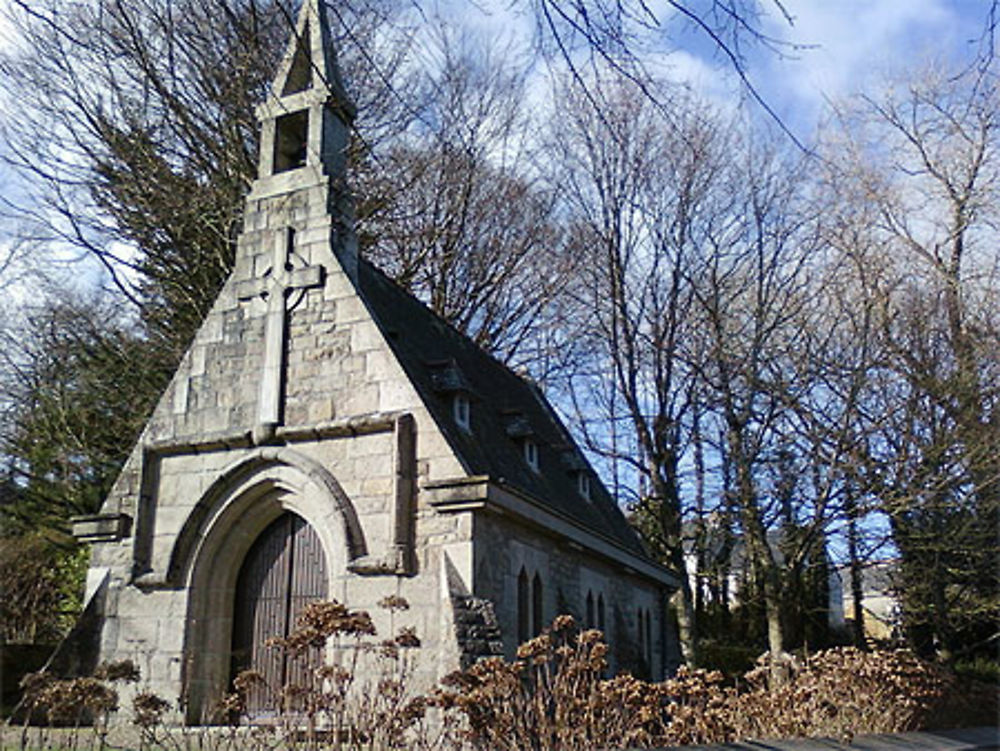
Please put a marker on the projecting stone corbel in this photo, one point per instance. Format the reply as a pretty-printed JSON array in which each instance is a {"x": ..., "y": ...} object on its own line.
[{"x": 101, "y": 527}]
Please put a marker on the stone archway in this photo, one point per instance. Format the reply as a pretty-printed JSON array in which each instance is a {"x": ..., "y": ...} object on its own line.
[{"x": 235, "y": 511}]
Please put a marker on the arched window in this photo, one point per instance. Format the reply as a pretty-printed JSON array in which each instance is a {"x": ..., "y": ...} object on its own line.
[
  {"x": 649, "y": 639},
  {"x": 600, "y": 614},
  {"x": 537, "y": 615},
  {"x": 530, "y": 449},
  {"x": 523, "y": 606},
  {"x": 590, "y": 609},
  {"x": 462, "y": 411}
]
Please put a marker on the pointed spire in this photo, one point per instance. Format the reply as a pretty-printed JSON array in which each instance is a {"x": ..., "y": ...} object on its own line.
[
  {"x": 310, "y": 60},
  {"x": 307, "y": 116},
  {"x": 305, "y": 128}
]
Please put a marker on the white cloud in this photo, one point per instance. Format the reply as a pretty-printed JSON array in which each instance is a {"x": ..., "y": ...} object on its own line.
[
  {"x": 711, "y": 79},
  {"x": 855, "y": 43},
  {"x": 7, "y": 35}
]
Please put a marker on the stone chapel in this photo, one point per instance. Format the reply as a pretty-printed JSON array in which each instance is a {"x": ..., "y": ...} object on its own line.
[{"x": 328, "y": 436}]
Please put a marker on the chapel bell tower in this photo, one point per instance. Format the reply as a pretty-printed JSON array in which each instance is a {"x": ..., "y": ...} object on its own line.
[
  {"x": 306, "y": 119},
  {"x": 305, "y": 130},
  {"x": 298, "y": 222}
]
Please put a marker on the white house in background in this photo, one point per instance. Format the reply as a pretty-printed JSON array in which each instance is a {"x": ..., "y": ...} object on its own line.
[{"x": 880, "y": 608}]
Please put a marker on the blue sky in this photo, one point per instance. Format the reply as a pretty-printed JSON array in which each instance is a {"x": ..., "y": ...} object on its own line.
[
  {"x": 830, "y": 49},
  {"x": 845, "y": 44},
  {"x": 841, "y": 46},
  {"x": 857, "y": 44}
]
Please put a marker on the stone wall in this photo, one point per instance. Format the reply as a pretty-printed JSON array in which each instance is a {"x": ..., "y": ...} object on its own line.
[{"x": 568, "y": 572}]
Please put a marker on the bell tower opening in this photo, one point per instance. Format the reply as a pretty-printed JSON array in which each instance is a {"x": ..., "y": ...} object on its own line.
[{"x": 291, "y": 141}]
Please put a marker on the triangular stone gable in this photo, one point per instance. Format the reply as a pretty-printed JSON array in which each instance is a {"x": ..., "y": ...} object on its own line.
[{"x": 310, "y": 58}]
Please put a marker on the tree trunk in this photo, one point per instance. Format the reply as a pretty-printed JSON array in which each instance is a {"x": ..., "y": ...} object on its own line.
[
  {"x": 663, "y": 479},
  {"x": 761, "y": 557},
  {"x": 855, "y": 573},
  {"x": 686, "y": 622},
  {"x": 857, "y": 587}
]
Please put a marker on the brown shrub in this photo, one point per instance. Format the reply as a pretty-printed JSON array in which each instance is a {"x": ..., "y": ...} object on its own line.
[
  {"x": 842, "y": 692},
  {"x": 364, "y": 701},
  {"x": 554, "y": 696}
]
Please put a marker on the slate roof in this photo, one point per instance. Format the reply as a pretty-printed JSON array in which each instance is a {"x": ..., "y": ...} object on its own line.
[{"x": 506, "y": 410}]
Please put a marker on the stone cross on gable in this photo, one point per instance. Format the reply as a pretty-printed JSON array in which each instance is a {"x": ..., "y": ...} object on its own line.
[{"x": 282, "y": 286}]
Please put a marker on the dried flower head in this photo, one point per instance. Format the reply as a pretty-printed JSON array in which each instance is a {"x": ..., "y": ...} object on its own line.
[
  {"x": 148, "y": 709},
  {"x": 319, "y": 621},
  {"x": 407, "y": 637},
  {"x": 66, "y": 700},
  {"x": 125, "y": 671},
  {"x": 393, "y": 603},
  {"x": 333, "y": 673},
  {"x": 563, "y": 623},
  {"x": 232, "y": 706},
  {"x": 245, "y": 680},
  {"x": 32, "y": 684},
  {"x": 534, "y": 648},
  {"x": 590, "y": 636}
]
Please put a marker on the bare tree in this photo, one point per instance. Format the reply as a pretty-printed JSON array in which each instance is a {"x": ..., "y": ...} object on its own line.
[
  {"x": 617, "y": 34},
  {"x": 137, "y": 139},
  {"x": 637, "y": 182},
  {"x": 454, "y": 210},
  {"x": 924, "y": 172},
  {"x": 756, "y": 305}
]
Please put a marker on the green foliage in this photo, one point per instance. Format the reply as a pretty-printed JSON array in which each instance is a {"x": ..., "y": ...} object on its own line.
[
  {"x": 86, "y": 383},
  {"x": 86, "y": 387},
  {"x": 983, "y": 669},
  {"x": 71, "y": 575},
  {"x": 42, "y": 589},
  {"x": 730, "y": 659}
]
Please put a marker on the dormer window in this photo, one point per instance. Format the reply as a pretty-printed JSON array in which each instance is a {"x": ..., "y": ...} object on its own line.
[
  {"x": 530, "y": 449},
  {"x": 290, "y": 141},
  {"x": 462, "y": 411},
  {"x": 583, "y": 484}
]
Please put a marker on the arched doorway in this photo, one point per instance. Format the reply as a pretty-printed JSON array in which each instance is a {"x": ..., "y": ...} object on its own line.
[
  {"x": 284, "y": 569},
  {"x": 209, "y": 553}
]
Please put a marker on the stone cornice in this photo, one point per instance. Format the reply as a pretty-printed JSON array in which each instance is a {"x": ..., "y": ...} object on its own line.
[{"x": 482, "y": 493}]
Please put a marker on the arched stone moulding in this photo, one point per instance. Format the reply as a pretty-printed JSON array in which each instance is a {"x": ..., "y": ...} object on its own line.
[
  {"x": 156, "y": 567},
  {"x": 232, "y": 499}
]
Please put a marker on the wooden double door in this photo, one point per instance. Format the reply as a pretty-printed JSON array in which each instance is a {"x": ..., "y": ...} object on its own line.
[{"x": 284, "y": 570}]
